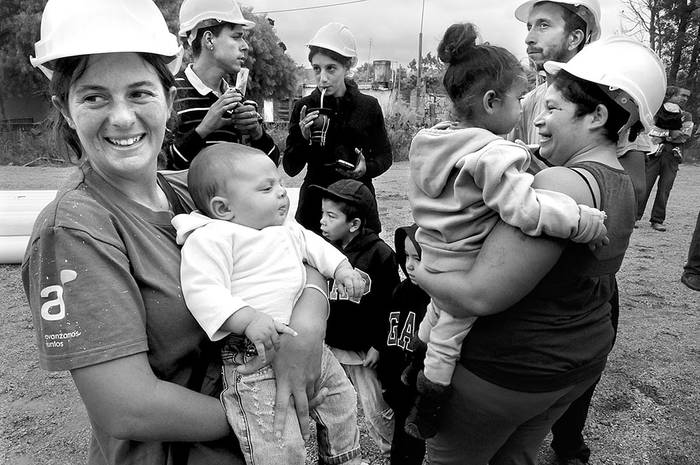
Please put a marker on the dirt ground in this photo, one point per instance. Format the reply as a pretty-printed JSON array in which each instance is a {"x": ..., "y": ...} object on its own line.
[{"x": 645, "y": 410}]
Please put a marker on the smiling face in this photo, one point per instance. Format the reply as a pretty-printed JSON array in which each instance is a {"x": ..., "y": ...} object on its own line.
[
  {"x": 230, "y": 48},
  {"x": 118, "y": 108},
  {"x": 547, "y": 38},
  {"x": 255, "y": 195},
  {"x": 562, "y": 133},
  {"x": 330, "y": 74}
]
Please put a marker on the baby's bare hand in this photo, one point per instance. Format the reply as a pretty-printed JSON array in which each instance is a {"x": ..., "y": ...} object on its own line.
[{"x": 264, "y": 333}]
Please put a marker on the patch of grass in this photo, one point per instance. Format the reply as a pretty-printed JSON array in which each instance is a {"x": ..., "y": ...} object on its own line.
[{"x": 28, "y": 147}]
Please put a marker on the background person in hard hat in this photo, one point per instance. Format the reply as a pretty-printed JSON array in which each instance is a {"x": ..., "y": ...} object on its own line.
[
  {"x": 544, "y": 328},
  {"x": 558, "y": 31},
  {"x": 464, "y": 178},
  {"x": 663, "y": 163},
  {"x": 356, "y": 128},
  {"x": 207, "y": 106},
  {"x": 101, "y": 272}
]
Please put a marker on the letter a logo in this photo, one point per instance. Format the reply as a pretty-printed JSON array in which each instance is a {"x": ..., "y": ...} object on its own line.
[{"x": 55, "y": 309}]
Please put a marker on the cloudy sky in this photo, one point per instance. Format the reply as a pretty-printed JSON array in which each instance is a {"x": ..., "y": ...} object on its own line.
[{"x": 388, "y": 29}]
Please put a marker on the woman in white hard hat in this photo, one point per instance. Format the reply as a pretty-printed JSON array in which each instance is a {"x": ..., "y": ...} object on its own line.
[
  {"x": 541, "y": 344},
  {"x": 355, "y": 145},
  {"x": 209, "y": 109},
  {"x": 101, "y": 271}
]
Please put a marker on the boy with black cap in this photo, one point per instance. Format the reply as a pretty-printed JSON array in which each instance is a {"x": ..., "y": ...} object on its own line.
[{"x": 355, "y": 332}]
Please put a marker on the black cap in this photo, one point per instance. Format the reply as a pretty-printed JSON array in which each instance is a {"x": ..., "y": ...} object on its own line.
[{"x": 349, "y": 190}]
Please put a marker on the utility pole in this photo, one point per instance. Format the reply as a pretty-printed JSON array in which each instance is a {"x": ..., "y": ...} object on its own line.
[{"x": 420, "y": 59}]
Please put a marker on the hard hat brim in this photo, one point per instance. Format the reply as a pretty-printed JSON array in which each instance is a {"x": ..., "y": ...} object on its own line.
[
  {"x": 173, "y": 62},
  {"x": 523, "y": 11}
]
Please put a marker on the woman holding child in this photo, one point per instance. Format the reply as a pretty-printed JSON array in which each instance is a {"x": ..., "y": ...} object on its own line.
[
  {"x": 102, "y": 268},
  {"x": 353, "y": 143},
  {"x": 543, "y": 330}
]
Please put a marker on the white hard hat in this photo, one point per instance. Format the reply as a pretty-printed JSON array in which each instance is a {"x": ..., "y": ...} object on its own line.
[
  {"x": 336, "y": 37},
  {"x": 85, "y": 27},
  {"x": 591, "y": 14},
  {"x": 194, "y": 12},
  {"x": 621, "y": 64}
]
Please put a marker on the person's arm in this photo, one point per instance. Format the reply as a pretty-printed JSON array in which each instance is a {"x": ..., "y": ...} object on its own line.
[
  {"x": 297, "y": 365},
  {"x": 385, "y": 278},
  {"x": 109, "y": 355},
  {"x": 378, "y": 157},
  {"x": 246, "y": 120},
  {"x": 188, "y": 140},
  {"x": 328, "y": 260},
  {"x": 509, "y": 265},
  {"x": 681, "y": 136},
  {"x": 296, "y": 151},
  {"x": 506, "y": 189},
  {"x": 125, "y": 398},
  {"x": 205, "y": 275}
]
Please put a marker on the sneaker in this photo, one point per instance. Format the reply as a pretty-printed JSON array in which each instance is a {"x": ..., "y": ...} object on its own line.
[
  {"x": 691, "y": 280},
  {"x": 658, "y": 227},
  {"x": 678, "y": 154}
]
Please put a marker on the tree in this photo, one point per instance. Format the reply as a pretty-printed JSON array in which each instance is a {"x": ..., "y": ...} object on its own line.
[
  {"x": 672, "y": 29},
  {"x": 272, "y": 72},
  {"x": 19, "y": 30}
]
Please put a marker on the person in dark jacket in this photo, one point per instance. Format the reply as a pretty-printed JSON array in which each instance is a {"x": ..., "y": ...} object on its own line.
[
  {"x": 408, "y": 305},
  {"x": 355, "y": 332},
  {"x": 352, "y": 145}
]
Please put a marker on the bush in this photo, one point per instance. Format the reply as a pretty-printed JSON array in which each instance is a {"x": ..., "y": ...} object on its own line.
[
  {"x": 28, "y": 147},
  {"x": 691, "y": 152},
  {"x": 401, "y": 126}
]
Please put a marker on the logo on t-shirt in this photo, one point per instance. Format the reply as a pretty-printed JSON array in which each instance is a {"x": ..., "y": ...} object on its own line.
[
  {"x": 55, "y": 309},
  {"x": 402, "y": 339}
]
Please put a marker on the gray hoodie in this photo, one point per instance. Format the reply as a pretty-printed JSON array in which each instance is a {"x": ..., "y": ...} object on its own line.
[{"x": 464, "y": 179}]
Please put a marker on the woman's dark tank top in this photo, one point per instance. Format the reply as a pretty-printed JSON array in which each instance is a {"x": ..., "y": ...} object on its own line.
[{"x": 560, "y": 333}]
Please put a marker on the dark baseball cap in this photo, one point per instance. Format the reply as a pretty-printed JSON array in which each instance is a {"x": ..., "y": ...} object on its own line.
[{"x": 351, "y": 191}]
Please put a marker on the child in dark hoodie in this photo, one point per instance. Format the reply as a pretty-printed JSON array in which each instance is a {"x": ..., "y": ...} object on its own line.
[{"x": 408, "y": 304}]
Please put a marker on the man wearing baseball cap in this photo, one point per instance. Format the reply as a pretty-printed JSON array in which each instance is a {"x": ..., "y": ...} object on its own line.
[
  {"x": 557, "y": 31},
  {"x": 209, "y": 109}
]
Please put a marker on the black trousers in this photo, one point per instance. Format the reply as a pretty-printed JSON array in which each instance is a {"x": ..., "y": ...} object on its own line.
[{"x": 567, "y": 431}]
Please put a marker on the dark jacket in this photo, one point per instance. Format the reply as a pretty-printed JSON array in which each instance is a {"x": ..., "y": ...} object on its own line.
[
  {"x": 408, "y": 305},
  {"x": 357, "y": 122},
  {"x": 361, "y": 326}
]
